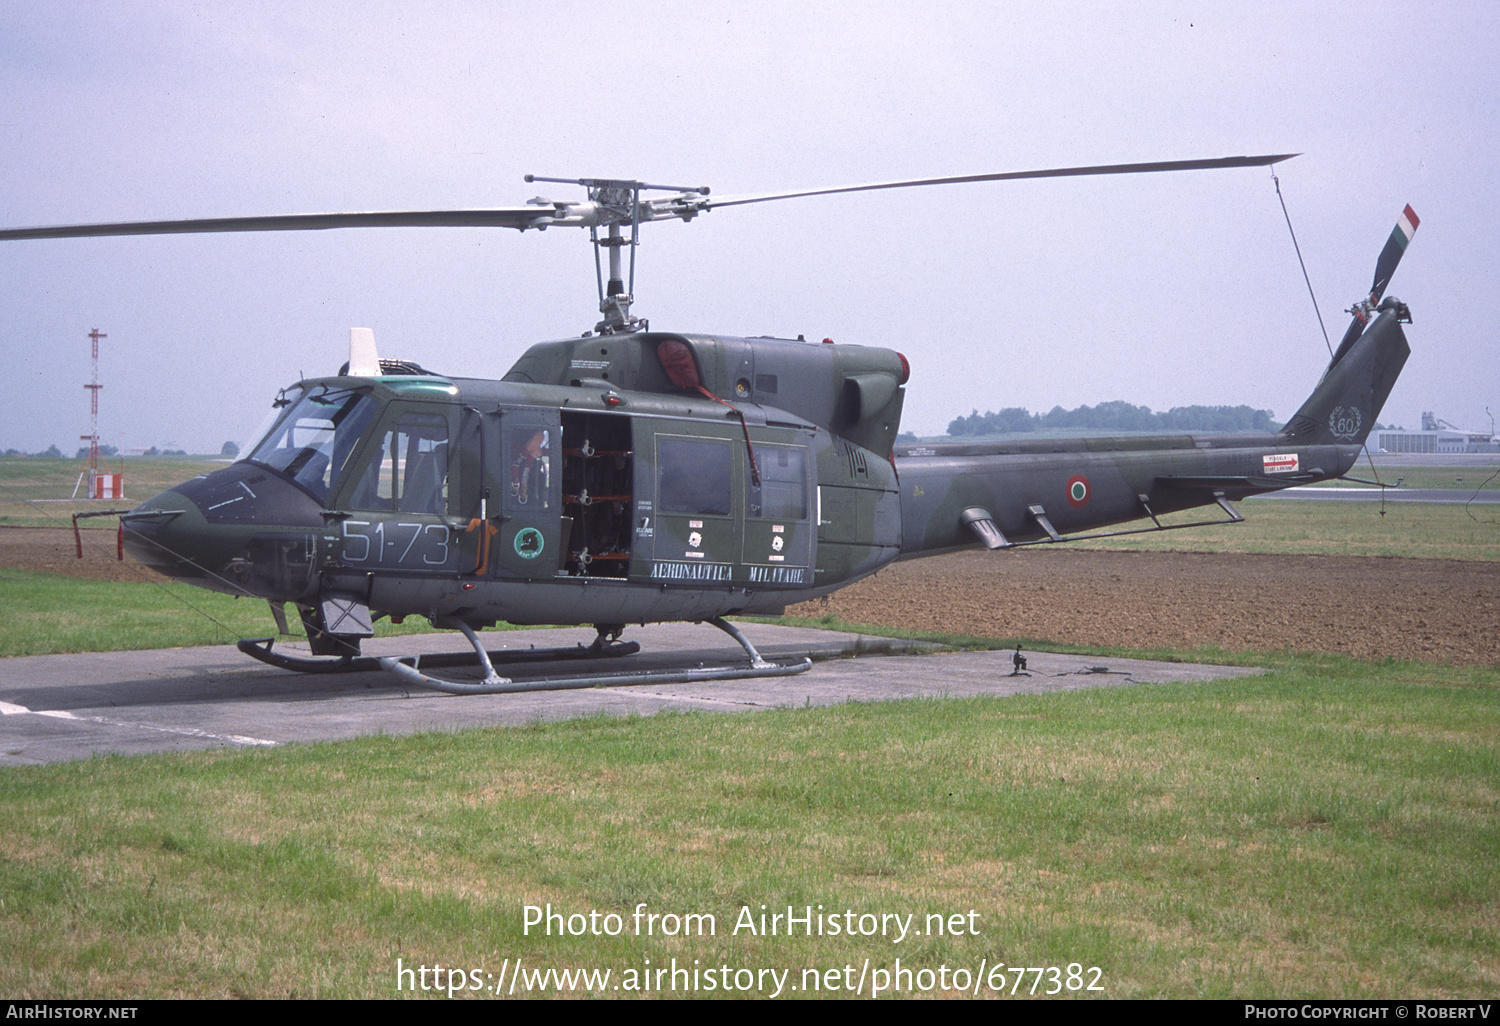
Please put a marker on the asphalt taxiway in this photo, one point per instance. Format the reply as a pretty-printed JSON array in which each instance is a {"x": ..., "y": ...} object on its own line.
[{"x": 56, "y": 708}]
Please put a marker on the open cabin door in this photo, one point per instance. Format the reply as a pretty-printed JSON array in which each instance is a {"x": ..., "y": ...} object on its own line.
[
  {"x": 562, "y": 494},
  {"x": 598, "y": 494}
]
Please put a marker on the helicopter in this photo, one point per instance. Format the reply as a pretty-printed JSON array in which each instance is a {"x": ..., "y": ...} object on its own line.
[{"x": 631, "y": 475}]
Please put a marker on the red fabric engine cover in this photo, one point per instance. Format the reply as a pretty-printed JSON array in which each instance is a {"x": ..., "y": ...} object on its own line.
[{"x": 677, "y": 360}]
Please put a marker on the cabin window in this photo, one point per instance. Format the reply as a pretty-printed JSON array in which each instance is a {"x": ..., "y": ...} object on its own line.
[
  {"x": 782, "y": 494},
  {"x": 408, "y": 472},
  {"x": 695, "y": 476},
  {"x": 529, "y": 449}
]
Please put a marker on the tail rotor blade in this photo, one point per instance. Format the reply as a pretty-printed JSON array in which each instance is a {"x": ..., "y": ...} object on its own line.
[{"x": 1395, "y": 246}]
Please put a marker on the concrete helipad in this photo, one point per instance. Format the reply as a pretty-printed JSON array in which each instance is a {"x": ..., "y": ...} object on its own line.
[{"x": 74, "y": 706}]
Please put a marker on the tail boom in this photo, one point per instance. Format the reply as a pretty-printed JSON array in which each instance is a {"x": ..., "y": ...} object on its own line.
[{"x": 958, "y": 495}]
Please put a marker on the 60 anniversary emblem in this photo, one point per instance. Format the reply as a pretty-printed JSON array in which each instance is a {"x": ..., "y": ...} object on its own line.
[{"x": 1344, "y": 421}]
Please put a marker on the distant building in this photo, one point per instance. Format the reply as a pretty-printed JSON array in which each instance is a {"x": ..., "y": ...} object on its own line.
[
  {"x": 1437, "y": 435},
  {"x": 1434, "y": 441},
  {"x": 1421, "y": 441}
]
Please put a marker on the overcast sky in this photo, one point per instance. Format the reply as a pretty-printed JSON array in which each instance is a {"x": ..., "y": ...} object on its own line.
[{"x": 1160, "y": 290}]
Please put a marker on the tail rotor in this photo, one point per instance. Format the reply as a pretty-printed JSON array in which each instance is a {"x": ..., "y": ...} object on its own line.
[{"x": 1385, "y": 267}]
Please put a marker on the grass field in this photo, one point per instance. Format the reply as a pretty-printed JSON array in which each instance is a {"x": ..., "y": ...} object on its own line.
[
  {"x": 1414, "y": 530},
  {"x": 48, "y": 614},
  {"x": 1328, "y": 829},
  {"x": 35, "y": 491}
]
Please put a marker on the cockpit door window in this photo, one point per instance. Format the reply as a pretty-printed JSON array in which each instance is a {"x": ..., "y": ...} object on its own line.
[
  {"x": 396, "y": 503},
  {"x": 408, "y": 471}
]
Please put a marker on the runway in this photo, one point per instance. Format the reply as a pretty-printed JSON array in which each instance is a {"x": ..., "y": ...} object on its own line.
[{"x": 65, "y": 707}]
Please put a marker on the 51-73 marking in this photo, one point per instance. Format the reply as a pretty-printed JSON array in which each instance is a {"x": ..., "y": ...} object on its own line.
[{"x": 375, "y": 541}]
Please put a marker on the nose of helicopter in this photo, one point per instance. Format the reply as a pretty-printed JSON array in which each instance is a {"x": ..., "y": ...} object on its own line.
[
  {"x": 167, "y": 533},
  {"x": 239, "y": 530}
]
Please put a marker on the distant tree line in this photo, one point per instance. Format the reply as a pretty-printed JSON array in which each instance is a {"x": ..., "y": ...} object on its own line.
[
  {"x": 1115, "y": 416},
  {"x": 109, "y": 451}
]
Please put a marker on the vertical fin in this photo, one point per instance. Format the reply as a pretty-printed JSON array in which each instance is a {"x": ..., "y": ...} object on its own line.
[{"x": 1343, "y": 408}]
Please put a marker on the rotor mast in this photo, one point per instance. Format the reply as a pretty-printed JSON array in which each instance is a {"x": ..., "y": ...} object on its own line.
[{"x": 617, "y": 202}]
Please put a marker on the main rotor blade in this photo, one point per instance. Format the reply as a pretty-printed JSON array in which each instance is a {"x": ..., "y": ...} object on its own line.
[
  {"x": 511, "y": 217},
  {"x": 1056, "y": 172},
  {"x": 538, "y": 215}
]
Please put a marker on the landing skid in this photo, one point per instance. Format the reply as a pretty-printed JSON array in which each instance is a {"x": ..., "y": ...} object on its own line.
[
  {"x": 494, "y": 684},
  {"x": 260, "y": 648}
]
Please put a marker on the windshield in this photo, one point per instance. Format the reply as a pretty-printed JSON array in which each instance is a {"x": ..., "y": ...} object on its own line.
[
  {"x": 312, "y": 441},
  {"x": 284, "y": 399}
]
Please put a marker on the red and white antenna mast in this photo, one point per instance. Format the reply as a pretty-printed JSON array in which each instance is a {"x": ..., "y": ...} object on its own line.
[
  {"x": 93, "y": 436},
  {"x": 101, "y": 486}
]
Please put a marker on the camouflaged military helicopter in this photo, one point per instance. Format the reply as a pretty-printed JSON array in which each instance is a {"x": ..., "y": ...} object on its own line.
[{"x": 633, "y": 476}]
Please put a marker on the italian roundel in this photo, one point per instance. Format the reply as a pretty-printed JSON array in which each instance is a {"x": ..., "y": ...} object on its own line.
[{"x": 1078, "y": 491}]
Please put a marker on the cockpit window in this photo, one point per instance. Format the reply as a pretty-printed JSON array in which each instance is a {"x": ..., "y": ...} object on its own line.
[{"x": 314, "y": 439}]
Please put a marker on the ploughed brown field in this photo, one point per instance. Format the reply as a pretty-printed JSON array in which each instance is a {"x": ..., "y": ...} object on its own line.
[
  {"x": 1433, "y": 610},
  {"x": 1366, "y": 606}
]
